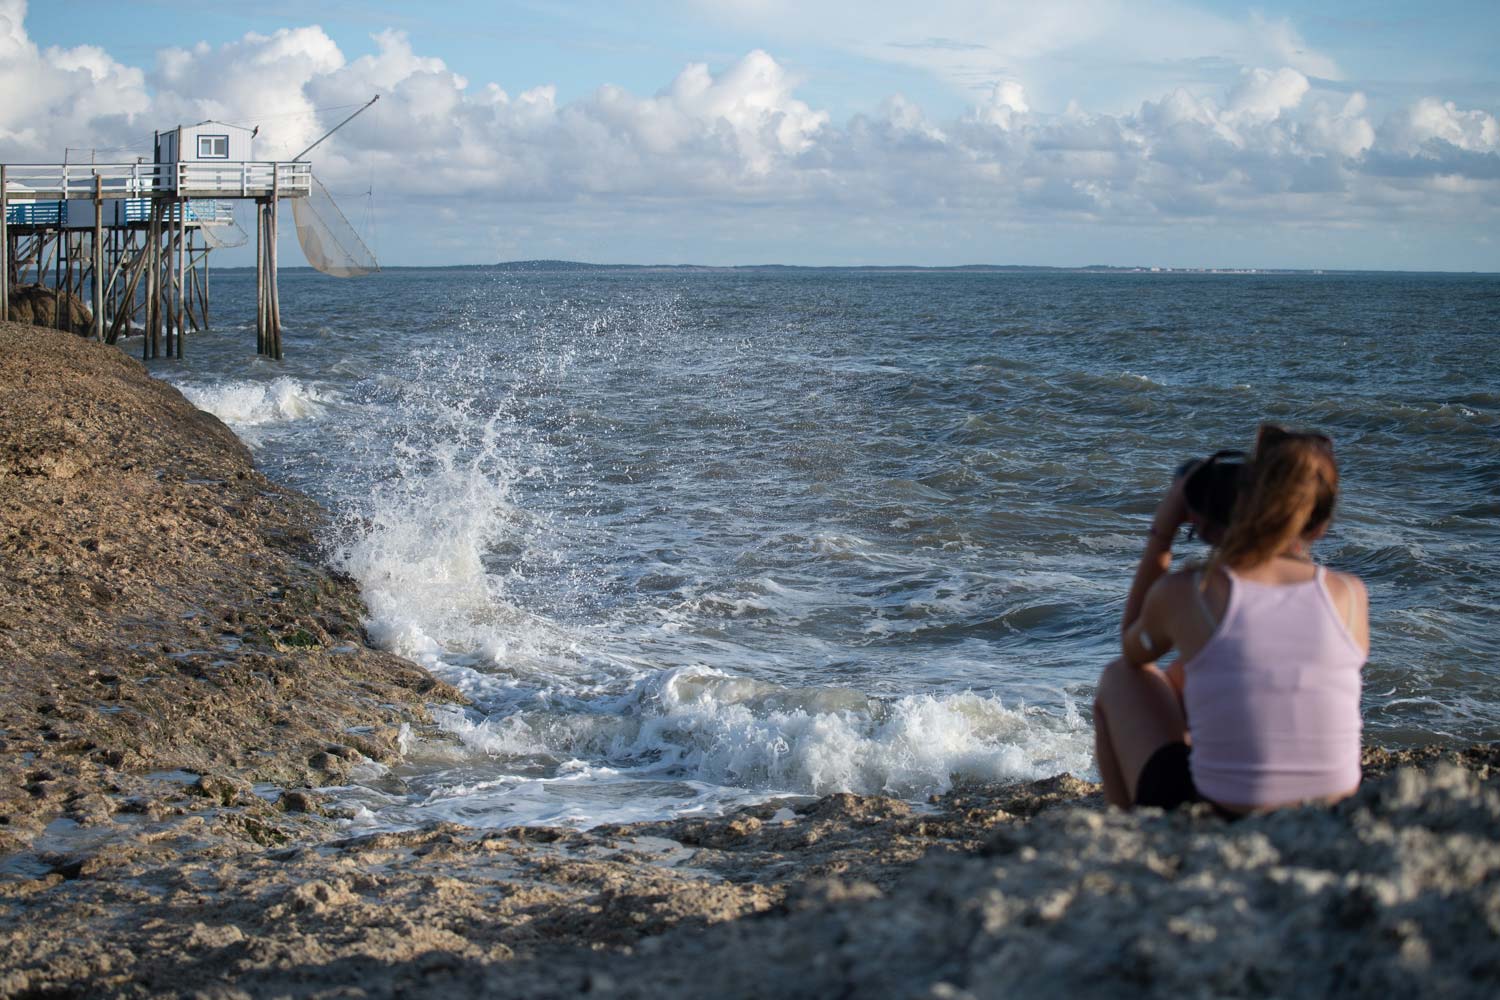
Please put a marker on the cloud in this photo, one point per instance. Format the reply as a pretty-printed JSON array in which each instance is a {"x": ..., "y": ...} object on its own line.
[
  {"x": 62, "y": 97},
  {"x": 716, "y": 147},
  {"x": 258, "y": 77},
  {"x": 1431, "y": 120},
  {"x": 1108, "y": 48},
  {"x": 1007, "y": 101},
  {"x": 1280, "y": 44},
  {"x": 1263, "y": 95}
]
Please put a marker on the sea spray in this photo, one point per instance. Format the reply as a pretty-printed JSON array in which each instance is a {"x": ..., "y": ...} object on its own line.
[
  {"x": 249, "y": 404},
  {"x": 688, "y": 539},
  {"x": 250, "y": 408}
]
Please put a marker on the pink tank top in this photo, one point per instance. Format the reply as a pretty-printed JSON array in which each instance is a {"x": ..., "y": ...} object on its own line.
[{"x": 1273, "y": 699}]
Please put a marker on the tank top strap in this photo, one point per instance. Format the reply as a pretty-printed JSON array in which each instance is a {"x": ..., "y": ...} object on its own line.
[
  {"x": 1343, "y": 611},
  {"x": 1200, "y": 584}
]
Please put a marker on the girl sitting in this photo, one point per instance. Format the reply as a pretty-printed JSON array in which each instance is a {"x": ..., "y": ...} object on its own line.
[{"x": 1261, "y": 707}]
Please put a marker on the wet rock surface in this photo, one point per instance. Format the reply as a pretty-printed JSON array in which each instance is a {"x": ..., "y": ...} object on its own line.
[{"x": 160, "y": 835}]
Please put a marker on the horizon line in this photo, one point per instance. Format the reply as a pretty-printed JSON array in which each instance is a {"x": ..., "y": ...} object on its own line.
[{"x": 545, "y": 264}]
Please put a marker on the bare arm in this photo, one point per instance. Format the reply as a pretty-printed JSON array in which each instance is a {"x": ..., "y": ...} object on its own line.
[
  {"x": 1157, "y": 557},
  {"x": 1148, "y": 638}
]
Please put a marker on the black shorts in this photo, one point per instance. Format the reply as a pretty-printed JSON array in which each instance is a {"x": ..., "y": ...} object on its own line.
[{"x": 1165, "y": 780}]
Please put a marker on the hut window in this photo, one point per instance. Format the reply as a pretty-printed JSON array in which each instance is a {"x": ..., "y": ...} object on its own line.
[{"x": 213, "y": 147}]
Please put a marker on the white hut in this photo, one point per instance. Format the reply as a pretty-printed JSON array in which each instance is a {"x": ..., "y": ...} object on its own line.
[
  {"x": 205, "y": 142},
  {"x": 210, "y": 158}
]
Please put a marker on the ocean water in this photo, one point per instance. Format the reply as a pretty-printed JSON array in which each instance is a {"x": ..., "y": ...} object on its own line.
[{"x": 690, "y": 539}]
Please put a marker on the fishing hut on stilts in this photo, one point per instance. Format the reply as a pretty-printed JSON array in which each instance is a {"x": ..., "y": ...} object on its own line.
[{"x": 127, "y": 245}]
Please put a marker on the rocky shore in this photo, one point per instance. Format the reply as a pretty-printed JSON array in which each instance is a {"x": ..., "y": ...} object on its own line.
[{"x": 179, "y": 675}]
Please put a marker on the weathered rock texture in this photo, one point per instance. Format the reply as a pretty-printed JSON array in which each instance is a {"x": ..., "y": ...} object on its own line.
[
  {"x": 39, "y": 305},
  {"x": 162, "y": 605},
  {"x": 1033, "y": 891}
]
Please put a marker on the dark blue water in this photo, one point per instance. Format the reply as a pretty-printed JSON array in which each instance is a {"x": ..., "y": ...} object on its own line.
[{"x": 688, "y": 538}]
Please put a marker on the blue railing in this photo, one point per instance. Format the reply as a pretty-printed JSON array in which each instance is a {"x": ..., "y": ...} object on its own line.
[
  {"x": 131, "y": 211},
  {"x": 36, "y": 213}
]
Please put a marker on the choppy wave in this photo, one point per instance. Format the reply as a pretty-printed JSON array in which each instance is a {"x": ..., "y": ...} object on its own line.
[
  {"x": 686, "y": 541},
  {"x": 245, "y": 404},
  {"x": 719, "y": 739}
]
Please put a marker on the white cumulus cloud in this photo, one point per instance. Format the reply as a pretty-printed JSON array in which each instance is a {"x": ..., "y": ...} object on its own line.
[
  {"x": 737, "y": 147},
  {"x": 1431, "y": 119}
]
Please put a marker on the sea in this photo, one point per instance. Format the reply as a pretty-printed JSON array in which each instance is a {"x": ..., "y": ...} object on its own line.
[{"x": 691, "y": 539}]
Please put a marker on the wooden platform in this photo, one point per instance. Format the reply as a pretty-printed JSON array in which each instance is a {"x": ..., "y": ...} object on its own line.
[{"x": 121, "y": 236}]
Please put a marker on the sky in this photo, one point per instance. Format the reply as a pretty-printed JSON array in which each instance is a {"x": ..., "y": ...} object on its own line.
[{"x": 1174, "y": 134}]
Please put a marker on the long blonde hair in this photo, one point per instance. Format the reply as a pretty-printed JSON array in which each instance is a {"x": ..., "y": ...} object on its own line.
[{"x": 1294, "y": 484}]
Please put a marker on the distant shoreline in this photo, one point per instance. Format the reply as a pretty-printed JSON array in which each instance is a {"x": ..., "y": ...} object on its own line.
[{"x": 562, "y": 266}]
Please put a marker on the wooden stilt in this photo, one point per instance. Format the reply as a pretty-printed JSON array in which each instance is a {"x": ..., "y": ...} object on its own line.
[
  {"x": 169, "y": 279},
  {"x": 182, "y": 210},
  {"x": 125, "y": 306},
  {"x": 44, "y": 248},
  {"x": 195, "y": 258},
  {"x": 152, "y": 346},
  {"x": 64, "y": 257},
  {"x": 206, "y": 321},
  {"x": 4, "y": 249},
  {"x": 275, "y": 212},
  {"x": 148, "y": 291},
  {"x": 190, "y": 308},
  {"x": 120, "y": 244},
  {"x": 260, "y": 276},
  {"x": 98, "y": 259}
]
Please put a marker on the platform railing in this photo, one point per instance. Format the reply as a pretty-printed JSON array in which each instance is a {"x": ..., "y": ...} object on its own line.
[{"x": 240, "y": 179}]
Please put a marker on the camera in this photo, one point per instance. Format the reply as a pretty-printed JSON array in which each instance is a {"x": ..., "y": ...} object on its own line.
[{"x": 1211, "y": 487}]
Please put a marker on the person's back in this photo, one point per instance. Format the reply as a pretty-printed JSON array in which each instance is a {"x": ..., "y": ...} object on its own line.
[{"x": 1273, "y": 698}]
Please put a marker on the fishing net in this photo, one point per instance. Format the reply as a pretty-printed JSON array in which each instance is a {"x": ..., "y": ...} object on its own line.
[
  {"x": 330, "y": 243},
  {"x": 221, "y": 228}
]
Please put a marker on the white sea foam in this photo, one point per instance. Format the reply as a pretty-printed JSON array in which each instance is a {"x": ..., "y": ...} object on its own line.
[
  {"x": 733, "y": 731},
  {"x": 418, "y": 549},
  {"x": 699, "y": 741},
  {"x": 242, "y": 404},
  {"x": 715, "y": 728}
]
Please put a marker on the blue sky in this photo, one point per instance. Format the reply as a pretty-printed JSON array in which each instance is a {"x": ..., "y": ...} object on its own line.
[{"x": 1335, "y": 134}]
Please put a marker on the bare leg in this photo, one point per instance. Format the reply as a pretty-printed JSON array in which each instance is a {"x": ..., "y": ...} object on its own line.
[
  {"x": 1115, "y": 790},
  {"x": 1175, "y": 677},
  {"x": 1136, "y": 712}
]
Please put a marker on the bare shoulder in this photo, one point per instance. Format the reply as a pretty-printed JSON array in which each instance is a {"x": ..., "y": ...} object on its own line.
[
  {"x": 1349, "y": 584},
  {"x": 1353, "y": 604},
  {"x": 1176, "y": 585}
]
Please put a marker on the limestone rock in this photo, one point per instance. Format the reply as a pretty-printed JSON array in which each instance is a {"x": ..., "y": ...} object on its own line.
[{"x": 40, "y": 305}]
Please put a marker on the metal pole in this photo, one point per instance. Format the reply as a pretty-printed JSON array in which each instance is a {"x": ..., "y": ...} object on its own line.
[{"x": 340, "y": 125}]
